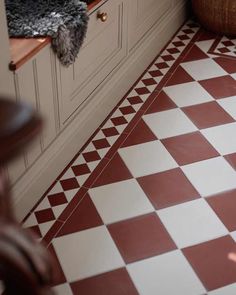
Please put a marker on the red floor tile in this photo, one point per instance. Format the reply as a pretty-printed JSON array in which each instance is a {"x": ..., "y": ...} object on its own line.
[
  {"x": 44, "y": 215},
  {"x": 195, "y": 53},
  {"x": 224, "y": 204},
  {"x": 161, "y": 103},
  {"x": 81, "y": 169},
  {"x": 116, "y": 282},
  {"x": 220, "y": 87},
  {"x": 101, "y": 143},
  {"x": 91, "y": 156},
  {"x": 209, "y": 261},
  {"x": 116, "y": 170},
  {"x": 189, "y": 148},
  {"x": 141, "y": 237},
  {"x": 69, "y": 184},
  {"x": 207, "y": 115},
  {"x": 168, "y": 188},
  {"x": 228, "y": 64},
  {"x": 179, "y": 76},
  {"x": 57, "y": 199},
  {"x": 140, "y": 134},
  {"x": 83, "y": 217},
  {"x": 231, "y": 158}
]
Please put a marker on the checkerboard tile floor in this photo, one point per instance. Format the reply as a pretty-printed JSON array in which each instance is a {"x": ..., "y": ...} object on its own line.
[{"x": 148, "y": 205}]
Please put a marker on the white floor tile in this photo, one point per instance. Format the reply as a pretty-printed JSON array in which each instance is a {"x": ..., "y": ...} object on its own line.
[
  {"x": 228, "y": 290},
  {"x": 120, "y": 200},
  {"x": 186, "y": 94},
  {"x": 63, "y": 289},
  {"x": 147, "y": 158},
  {"x": 203, "y": 69},
  {"x": 229, "y": 105},
  {"x": 222, "y": 138},
  {"x": 166, "y": 274},
  {"x": 211, "y": 176},
  {"x": 169, "y": 123},
  {"x": 87, "y": 253},
  {"x": 192, "y": 223}
]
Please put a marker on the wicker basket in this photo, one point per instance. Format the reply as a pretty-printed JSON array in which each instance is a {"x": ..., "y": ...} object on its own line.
[{"x": 217, "y": 15}]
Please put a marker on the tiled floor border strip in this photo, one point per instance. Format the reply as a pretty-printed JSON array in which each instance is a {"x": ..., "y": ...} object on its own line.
[
  {"x": 105, "y": 160},
  {"x": 214, "y": 46}
]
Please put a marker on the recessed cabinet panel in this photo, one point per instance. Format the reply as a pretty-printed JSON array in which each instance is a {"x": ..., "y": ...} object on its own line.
[
  {"x": 25, "y": 79},
  {"x": 102, "y": 51},
  {"x": 143, "y": 14}
]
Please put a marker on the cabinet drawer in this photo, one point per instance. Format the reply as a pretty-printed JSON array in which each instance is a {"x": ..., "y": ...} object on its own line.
[
  {"x": 143, "y": 14},
  {"x": 103, "y": 49}
]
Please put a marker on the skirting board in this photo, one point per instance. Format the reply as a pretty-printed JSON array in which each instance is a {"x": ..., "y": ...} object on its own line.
[{"x": 32, "y": 185}]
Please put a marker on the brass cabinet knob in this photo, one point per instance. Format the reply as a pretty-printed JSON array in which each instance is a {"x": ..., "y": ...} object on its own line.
[{"x": 102, "y": 16}]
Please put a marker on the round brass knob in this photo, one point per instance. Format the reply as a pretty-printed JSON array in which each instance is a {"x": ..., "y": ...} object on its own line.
[{"x": 102, "y": 16}]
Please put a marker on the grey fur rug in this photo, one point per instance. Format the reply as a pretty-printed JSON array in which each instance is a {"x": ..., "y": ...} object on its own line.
[{"x": 64, "y": 20}]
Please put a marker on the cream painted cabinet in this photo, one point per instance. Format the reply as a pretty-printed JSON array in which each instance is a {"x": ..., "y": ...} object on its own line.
[
  {"x": 102, "y": 51},
  {"x": 143, "y": 14},
  {"x": 37, "y": 89}
]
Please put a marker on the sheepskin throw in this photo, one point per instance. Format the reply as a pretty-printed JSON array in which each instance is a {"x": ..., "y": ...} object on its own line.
[{"x": 65, "y": 21}]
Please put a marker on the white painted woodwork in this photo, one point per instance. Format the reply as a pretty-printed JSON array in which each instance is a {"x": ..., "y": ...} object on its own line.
[
  {"x": 102, "y": 51},
  {"x": 143, "y": 14},
  {"x": 17, "y": 167},
  {"x": 75, "y": 100}
]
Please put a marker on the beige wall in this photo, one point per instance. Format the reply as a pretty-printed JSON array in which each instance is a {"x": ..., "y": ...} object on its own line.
[{"x": 6, "y": 77}]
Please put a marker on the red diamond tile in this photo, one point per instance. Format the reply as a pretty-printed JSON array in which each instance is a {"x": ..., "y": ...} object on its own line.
[
  {"x": 220, "y": 87},
  {"x": 57, "y": 199},
  {"x": 68, "y": 184},
  {"x": 108, "y": 132},
  {"x": 116, "y": 282},
  {"x": 183, "y": 37},
  {"x": 142, "y": 90},
  {"x": 127, "y": 110},
  {"x": 167, "y": 57},
  {"x": 80, "y": 169},
  {"x": 119, "y": 121},
  {"x": 173, "y": 50},
  {"x": 58, "y": 274},
  {"x": 115, "y": 171},
  {"x": 228, "y": 43},
  {"x": 195, "y": 53},
  {"x": 209, "y": 261},
  {"x": 162, "y": 65},
  {"x": 140, "y": 134},
  {"x": 228, "y": 64},
  {"x": 188, "y": 31},
  {"x": 91, "y": 156},
  {"x": 161, "y": 103},
  {"x": 207, "y": 115},
  {"x": 85, "y": 216},
  {"x": 101, "y": 143},
  {"x": 36, "y": 231},
  {"x": 189, "y": 148},
  {"x": 135, "y": 100},
  {"x": 178, "y": 43},
  {"x": 149, "y": 82},
  {"x": 224, "y": 205},
  {"x": 178, "y": 77},
  {"x": 231, "y": 158},
  {"x": 156, "y": 73},
  {"x": 223, "y": 50},
  {"x": 168, "y": 188},
  {"x": 44, "y": 215},
  {"x": 141, "y": 237}
]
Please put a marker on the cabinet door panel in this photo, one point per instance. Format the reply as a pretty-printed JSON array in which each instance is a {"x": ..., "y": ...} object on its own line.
[
  {"x": 101, "y": 53},
  {"x": 143, "y": 14}
]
